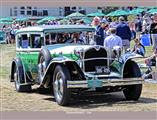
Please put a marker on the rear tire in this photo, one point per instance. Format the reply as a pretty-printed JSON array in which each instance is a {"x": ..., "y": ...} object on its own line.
[
  {"x": 61, "y": 92},
  {"x": 132, "y": 92},
  {"x": 18, "y": 86}
]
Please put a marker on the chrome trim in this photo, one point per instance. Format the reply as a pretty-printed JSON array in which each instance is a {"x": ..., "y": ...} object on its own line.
[
  {"x": 98, "y": 58},
  {"x": 93, "y": 75},
  {"x": 96, "y": 48},
  {"x": 28, "y": 50},
  {"x": 28, "y": 83},
  {"x": 105, "y": 82}
]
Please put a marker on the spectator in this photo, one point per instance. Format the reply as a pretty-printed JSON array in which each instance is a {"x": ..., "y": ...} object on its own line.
[
  {"x": 91, "y": 39},
  {"x": 138, "y": 25},
  {"x": 100, "y": 33},
  {"x": 132, "y": 28},
  {"x": 12, "y": 34},
  {"x": 113, "y": 40},
  {"x": 124, "y": 32},
  {"x": 151, "y": 61},
  {"x": 95, "y": 22},
  {"x": 138, "y": 47},
  {"x": 153, "y": 32},
  {"x": 81, "y": 22},
  {"x": 109, "y": 19},
  {"x": 75, "y": 38},
  {"x": 113, "y": 24}
]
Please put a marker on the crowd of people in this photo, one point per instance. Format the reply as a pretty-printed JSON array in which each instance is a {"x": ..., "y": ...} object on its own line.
[
  {"x": 113, "y": 34},
  {"x": 125, "y": 32}
]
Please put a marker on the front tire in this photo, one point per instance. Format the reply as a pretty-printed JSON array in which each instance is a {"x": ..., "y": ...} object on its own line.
[
  {"x": 18, "y": 86},
  {"x": 132, "y": 92},
  {"x": 61, "y": 92}
]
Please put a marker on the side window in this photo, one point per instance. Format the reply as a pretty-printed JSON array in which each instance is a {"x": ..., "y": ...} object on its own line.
[
  {"x": 50, "y": 38},
  {"x": 36, "y": 41},
  {"x": 23, "y": 41}
]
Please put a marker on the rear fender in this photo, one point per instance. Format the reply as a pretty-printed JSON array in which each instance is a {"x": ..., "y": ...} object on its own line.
[{"x": 18, "y": 63}]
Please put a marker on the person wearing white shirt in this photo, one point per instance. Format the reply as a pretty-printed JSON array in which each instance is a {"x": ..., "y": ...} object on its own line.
[{"x": 112, "y": 40}]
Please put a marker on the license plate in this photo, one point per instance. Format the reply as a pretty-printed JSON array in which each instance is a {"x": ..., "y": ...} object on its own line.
[
  {"x": 95, "y": 83},
  {"x": 102, "y": 69}
]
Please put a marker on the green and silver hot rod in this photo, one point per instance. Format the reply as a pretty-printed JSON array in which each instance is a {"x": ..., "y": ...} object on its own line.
[{"x": 59, "y": 57}]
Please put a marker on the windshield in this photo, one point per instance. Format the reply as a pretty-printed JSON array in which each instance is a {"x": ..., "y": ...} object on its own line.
[{"x": 75, "y": 37}]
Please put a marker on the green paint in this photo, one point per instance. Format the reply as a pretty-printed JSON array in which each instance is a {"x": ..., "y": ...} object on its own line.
[
  {"x": 94, "y": 83},
  {"x": 70, "y": 56},
  {"x": 29, "y": 60},
  {"x": 117, "y": 65}
]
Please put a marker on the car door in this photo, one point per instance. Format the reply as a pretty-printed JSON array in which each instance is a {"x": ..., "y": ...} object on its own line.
[
  {"x": 22, "y": 42},
  {"x": 36, "y": 41}
]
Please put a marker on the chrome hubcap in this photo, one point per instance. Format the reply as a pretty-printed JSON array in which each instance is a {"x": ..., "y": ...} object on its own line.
[
  {"x": 16, "y": 79},
  {"x": 42, "y": 67},
  {"x": 58, "y": 86}
]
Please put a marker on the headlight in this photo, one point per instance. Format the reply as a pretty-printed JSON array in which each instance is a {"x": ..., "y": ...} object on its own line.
[
  {"x": 79, "y": 52},
  {"x": 117, "y": 51}
]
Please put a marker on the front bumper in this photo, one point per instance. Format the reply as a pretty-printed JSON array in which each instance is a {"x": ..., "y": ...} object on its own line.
[{"x": 95, "y": 83}]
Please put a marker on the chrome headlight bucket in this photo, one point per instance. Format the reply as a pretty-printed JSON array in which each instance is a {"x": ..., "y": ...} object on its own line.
[
  {"x": 117, "y": 51},
  {"x": 79, "y": 52}
]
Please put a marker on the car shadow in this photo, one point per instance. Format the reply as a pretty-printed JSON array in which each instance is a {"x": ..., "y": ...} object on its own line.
[
  {"x": 43, "y": 91},
  {"x": 107, "y": 100}
]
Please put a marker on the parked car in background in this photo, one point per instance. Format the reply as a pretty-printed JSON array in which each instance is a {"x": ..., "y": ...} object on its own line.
[
  {"x": 59, "y": 57},
  {"x": 2, "y": 37}
]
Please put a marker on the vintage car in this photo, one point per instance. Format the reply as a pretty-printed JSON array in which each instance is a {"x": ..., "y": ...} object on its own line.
[{"x": 59, "y": 57}]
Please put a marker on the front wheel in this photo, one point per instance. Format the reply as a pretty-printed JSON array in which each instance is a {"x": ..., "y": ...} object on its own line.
[
  {"x": 133, "y": 92},
  {"x": 61, "y": 92}
]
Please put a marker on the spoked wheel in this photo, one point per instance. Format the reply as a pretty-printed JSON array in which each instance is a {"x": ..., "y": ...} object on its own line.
[
  {"x": 18, "y": 83},
  {"x": 61, "y": 92}
]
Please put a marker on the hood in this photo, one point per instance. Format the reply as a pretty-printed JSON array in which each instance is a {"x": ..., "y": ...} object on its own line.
[{"x": 65, "y": 48}]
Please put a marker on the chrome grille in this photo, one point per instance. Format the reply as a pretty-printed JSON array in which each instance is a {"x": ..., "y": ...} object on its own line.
[{"x": 94, "y": 58}]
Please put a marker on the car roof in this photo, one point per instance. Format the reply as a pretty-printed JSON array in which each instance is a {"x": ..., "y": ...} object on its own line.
[{"x": 56, "y": 28}]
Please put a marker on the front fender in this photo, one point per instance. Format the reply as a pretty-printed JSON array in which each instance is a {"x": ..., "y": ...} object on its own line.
[
  {"x": 124, "y": 59},
  {"x": 121, "y": 62},
  {"x": 70, "y": 64},
  {"x": 128, "y": 56}
]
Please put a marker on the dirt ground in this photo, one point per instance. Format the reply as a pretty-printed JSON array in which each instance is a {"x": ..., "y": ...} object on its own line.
[{"x": 37, "y": 101}]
